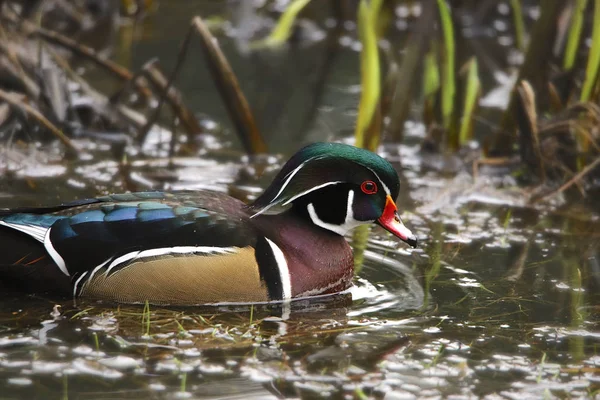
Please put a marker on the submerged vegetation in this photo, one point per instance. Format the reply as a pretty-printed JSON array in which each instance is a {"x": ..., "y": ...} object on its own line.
[{"x": 489, "y": 109}]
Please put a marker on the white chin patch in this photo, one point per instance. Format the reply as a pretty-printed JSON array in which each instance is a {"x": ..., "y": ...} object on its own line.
[{"x": 348, "y": 224}]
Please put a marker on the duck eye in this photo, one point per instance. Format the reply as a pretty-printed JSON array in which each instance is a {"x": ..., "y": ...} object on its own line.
[{"x": 368, "y": 187}]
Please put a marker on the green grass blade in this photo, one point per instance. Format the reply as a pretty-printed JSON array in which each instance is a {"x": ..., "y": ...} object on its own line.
[
  {"x": 368, "y": 121},
  {"x": 431, "y": 85},
  {"x": 183, "y": 384},
  {"x": 431, "y": 76},
  {"x": 435, "y": 255},
  {"x": 360, "y": 238},
  {"x": 369, "y": 68},
  {"x": 591, "y": 71},
  {"x": 448, "y": 72},
  {"x": 146, "y": 319},
  {"x": 518, "y": 22},
  {"x": 283, "y": 30},
  {"x": 472, "y": 91},
  {"x": 574, "y": 35},
  {"x": 65, "y": 388}
]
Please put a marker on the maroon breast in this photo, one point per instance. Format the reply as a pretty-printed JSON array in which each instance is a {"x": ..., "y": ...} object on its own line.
[{"x": 319, "y": 261}]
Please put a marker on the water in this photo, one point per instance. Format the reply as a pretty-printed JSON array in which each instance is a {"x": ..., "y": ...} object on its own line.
[{"x": 500, "y": 301}]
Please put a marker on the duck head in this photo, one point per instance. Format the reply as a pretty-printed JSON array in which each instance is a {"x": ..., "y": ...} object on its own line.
[{"x": 337, "y": 187}]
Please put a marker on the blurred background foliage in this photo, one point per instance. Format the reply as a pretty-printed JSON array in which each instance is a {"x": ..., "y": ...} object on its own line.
[{"x": 418, "y": 61}]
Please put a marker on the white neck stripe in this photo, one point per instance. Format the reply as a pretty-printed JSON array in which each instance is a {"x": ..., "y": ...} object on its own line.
[{"x": 284, "y": 272}]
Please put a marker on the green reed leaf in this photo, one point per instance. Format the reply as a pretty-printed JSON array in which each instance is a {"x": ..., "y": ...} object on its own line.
[
  {"x": 283, "y": 30},
  {"x": 472, "y": 92},
  {"x": 574, "y": 35}
]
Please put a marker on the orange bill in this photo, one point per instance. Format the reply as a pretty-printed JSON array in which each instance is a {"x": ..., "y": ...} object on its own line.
[{"x": 390, "y": 220}]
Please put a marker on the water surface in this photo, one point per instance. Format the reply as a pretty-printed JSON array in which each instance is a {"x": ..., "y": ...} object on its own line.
[{"x": 500, "y": 301}]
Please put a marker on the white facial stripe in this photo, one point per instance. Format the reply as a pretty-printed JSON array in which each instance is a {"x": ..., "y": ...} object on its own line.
[
  {"x": 36, "y": 232},
  {"x": 60, "y": 262},
  {"x": 310, "y": 190},
  {"x": 287, "y": 181},
  {"x": 349, "y": 204},
  {"x": 387, "y": 190},
  {"x": 284, "y": 272},
  {"x": 349, "y": 222},
  {"x": 180, "y": 250},
  {"x": 289, "y": 178}
]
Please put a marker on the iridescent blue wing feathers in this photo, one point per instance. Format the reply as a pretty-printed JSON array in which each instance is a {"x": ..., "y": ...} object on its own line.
[{"x": 89, "y": 233}]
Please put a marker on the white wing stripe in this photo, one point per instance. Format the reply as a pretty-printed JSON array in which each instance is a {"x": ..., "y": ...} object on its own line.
[
  {"x": 136, "y": 255},
  {"x": 94, "y": 271},
  {"x": 41, "y": 234},
  {"x": 60, "y": 262},
  {"x": 36, "y": 232},
  {"x": 121, "y": 260},
  {"x": 77, "y": 283}
]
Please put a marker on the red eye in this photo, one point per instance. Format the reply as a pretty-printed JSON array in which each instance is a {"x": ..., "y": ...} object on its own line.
[{"x": 368, "y": 187}]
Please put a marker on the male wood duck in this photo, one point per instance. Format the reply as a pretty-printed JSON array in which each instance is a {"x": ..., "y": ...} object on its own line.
[{"x": 188, "y": 248}]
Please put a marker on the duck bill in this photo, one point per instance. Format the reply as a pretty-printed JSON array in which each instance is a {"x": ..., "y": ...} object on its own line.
[{"x": 390, "y": 221}]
